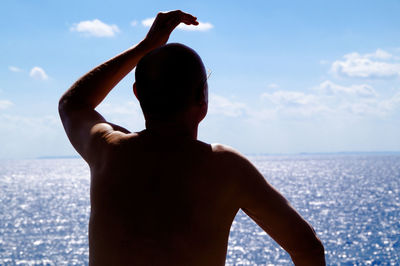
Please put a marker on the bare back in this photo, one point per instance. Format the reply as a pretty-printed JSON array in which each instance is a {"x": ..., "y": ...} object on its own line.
[
  {"x": 165, "y": 199},
  {"x": 160, "y": 201}
]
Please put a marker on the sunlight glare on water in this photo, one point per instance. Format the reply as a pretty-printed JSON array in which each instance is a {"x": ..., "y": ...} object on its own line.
[{"x": 352, "y": 201}]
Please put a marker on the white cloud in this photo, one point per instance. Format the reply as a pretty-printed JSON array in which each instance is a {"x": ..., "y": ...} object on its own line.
[
  {"x": 294, "y": 103},
  {"x": 371, "y": 107},
  {"x": 368, "y": 107},
  {"x": 4, "y": 104},
  {"x": 362, "y": 90},
  {"x": 223, "y": 106},
  {"x": 148, "y": 22},
  {"x": 38, "y": 73},
  {"x": 373, "y": 65},
  {"x": 134, "y": 23},
  {"x": 328, "y": 100},
  {"x": 379, "y": 54},
  {"x": 203, "y": 26},
  {"x": 95, "y": 28},
  {"x": 14, "y": 69}
]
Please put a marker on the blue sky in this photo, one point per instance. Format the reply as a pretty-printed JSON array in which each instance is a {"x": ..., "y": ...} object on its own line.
[{"x": 287, "y": 76}]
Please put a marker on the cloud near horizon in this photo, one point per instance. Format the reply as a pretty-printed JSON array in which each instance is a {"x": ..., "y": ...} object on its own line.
[
  {"x": 330, "y": 99},
  {"x": 37, "y": 135},
  {"x": 95, "y": 28},
  {"x": 361, "y": 90},
  {"x": 38, "y": 73},
  {"x": 203, "y": 26},
  {"x": 379, "y": 64},
  {"x": 327, "y": 100}
]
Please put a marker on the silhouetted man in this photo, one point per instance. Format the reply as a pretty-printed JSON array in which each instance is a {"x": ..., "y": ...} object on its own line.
[{"x": 160, "y": 196}]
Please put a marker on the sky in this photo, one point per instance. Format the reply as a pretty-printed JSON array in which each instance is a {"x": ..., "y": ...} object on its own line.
[{"x": 286, "y": 76}]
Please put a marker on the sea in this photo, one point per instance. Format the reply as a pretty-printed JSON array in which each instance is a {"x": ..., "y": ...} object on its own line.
[{"x": 351, "y": 200}]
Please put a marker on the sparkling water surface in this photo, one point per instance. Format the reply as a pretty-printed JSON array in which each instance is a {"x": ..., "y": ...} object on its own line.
[{"x": 352, "y": 201}]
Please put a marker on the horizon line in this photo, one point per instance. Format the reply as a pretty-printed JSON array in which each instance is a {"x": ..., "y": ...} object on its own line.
[
  {"x": 246, "y": 154},
  {"x": 254, "y": 154}
]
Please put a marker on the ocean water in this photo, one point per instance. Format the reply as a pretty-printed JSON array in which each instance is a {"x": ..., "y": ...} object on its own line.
[{"x": 352, "y": 201}]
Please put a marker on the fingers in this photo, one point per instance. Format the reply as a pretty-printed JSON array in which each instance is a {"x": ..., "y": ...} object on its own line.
[
  {"x": 189, "y": 19},
  {"x": 165, "y": 23},
  {"x": 184, "y": 17}
]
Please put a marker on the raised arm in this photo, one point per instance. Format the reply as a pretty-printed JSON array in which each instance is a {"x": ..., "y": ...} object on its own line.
[
  {"x": 87, "y": 129},
  {"x": 272, "y": 212}
]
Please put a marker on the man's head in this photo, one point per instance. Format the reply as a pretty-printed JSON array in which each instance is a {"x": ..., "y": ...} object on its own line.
[{"x": 169, "y": 81}]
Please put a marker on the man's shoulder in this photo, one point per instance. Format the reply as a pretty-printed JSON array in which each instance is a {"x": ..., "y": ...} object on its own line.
[
  {"x": 228, "y": 154},
  {"x": 223, "y": 149}
]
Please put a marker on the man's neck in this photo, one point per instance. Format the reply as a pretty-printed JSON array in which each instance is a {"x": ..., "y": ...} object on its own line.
[{"x": 177, "y": 129}]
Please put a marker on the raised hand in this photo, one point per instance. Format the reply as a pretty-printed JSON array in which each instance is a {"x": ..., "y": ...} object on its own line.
[
  {"x": 81, "y": 122},
  {"x": 164, "y": 24}
]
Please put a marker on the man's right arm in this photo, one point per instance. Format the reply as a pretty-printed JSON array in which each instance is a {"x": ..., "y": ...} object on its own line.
[{"x": 272, "y": 212}]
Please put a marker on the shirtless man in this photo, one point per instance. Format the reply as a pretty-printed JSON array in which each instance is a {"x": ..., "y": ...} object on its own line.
[{"x": 160, "y": 196}]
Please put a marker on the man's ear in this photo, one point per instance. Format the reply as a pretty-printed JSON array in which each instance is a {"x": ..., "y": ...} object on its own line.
[
  {"x": 135, "y": 90},
  {"x": 203, "y": 104}
]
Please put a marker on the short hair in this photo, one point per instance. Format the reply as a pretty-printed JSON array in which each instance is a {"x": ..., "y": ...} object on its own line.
[{"x": 169, "y": 79}]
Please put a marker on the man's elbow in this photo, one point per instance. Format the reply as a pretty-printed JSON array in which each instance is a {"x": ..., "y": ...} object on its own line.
[
  {"x": 312, "y": 254},
  {"x": 62, "y": 105},
  {"x": 317, "y": 249},
  {"x": 67, "y": 103}
]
